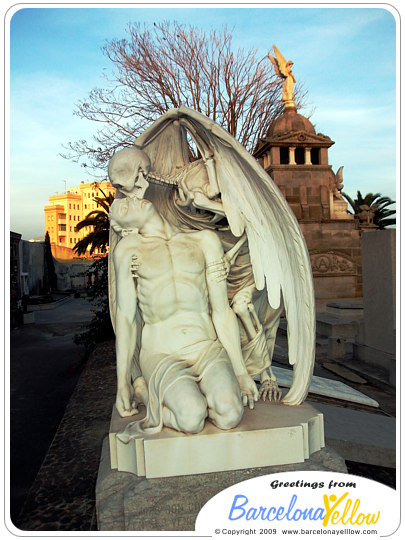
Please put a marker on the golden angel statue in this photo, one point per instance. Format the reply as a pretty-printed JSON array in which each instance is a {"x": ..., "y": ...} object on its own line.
[{"x": 283, "y": 70}]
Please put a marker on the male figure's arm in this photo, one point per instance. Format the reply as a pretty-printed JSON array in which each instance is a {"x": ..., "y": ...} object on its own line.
[
  {"x": 125, "y": 330},
  {"x": 223, "y": 317}
]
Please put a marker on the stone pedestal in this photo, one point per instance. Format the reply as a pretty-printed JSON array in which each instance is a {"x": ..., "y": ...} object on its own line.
[
  {"x": 376, "y": 340},
  {"x": 126, "y": 502},
  {"x": 271, "y": 434},
  {"x": 155, "y": 482}
]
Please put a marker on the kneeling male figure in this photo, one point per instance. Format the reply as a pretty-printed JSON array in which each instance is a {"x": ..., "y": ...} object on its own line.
[{"x": 190, "y": 358}]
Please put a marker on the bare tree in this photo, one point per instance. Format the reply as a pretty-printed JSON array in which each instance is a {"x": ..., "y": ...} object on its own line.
[{"x": 171, "y": 65}]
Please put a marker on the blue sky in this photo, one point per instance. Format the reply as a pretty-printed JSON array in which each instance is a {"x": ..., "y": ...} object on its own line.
[{"x": 345, "y": 57}]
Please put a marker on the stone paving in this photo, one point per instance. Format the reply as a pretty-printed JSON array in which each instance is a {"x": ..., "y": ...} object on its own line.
[
  {"x": 62, "y": 496},
  {"x": 45, "y": 365}
]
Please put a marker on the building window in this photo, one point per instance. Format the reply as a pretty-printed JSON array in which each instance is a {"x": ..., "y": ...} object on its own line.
[
  {"x": 284, "y": 156},
  {"x": 71, "y": 241},
  {"x": 61, "y": 216},
  {"x": 62, "y": 227},
  {"x": 315, "y": 156},
  {"x": 300, "y": 156},
  {"x": 70, "y": 206},
  {"x": 85, "y": 206}
]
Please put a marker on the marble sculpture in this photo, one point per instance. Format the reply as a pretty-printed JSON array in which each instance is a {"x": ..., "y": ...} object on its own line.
[{"x": 205, "y": 256}]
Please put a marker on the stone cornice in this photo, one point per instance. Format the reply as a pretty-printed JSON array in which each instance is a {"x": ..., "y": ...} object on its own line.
[
  {"x": 295, "y": 138},
  {"x": 281, "y": 167}
]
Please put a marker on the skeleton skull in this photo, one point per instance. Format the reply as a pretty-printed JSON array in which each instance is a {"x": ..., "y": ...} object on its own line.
[{"x": 128, "y": 170}]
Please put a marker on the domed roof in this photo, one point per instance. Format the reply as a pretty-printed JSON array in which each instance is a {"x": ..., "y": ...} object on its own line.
[{"x": 290, "y": 121}]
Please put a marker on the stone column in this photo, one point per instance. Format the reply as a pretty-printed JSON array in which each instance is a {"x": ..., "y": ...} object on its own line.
[
  {"x": 323, "y": 156},
  {"x": 292, "y": 155},
  {"x": 308, "y": 156},
  {"x": 275, "y": 155}
]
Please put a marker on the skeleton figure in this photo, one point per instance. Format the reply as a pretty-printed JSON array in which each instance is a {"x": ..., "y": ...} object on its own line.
[{"x": 266, "y": 264}]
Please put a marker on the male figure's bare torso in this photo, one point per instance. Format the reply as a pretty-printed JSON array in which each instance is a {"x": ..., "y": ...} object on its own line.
[{"x": 171, "y": 289}]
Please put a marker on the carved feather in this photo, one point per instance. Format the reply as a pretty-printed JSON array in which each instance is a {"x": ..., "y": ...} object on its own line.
[
  {"x": 281, "y": 62},
  {"x": 276, "y": 66}
]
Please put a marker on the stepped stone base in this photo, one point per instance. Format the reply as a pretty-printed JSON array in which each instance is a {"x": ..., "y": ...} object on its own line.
[
  {"x": 270, "y": 434},
  {"x": 126, "y": 502}
]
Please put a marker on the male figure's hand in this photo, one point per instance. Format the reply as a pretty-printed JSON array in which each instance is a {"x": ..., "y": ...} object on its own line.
[
  {"x": 125, "y": 401},
  {"x": 248, "y": 389}
]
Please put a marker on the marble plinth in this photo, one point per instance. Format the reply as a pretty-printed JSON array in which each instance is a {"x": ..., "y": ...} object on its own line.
[
  {"x": 126, "y": 502},
  {"x": 271, "y": 434}
]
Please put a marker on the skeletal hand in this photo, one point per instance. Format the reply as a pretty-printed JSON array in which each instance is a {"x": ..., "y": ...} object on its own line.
[{"x": 269, "y": 389}]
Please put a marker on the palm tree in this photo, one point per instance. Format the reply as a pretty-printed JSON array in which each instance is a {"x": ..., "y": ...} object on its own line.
[
  {"x": 380, "y": 206},
  {"x": 98, "y": 237}
]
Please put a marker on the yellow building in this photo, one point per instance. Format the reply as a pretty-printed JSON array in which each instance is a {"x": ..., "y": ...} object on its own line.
[{"x": 65, "y": 211}]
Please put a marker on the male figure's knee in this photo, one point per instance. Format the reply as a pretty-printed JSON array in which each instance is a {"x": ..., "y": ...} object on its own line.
[
  {"x": 191, "y": 419},
  {"x": 229, "y": 411}
]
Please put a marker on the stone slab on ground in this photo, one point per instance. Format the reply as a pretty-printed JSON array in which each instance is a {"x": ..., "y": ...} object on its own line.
[
  {"x": 360, "y": 436},
  {"x": 326, "y": 387},
  {"x": 342, "y": 371},
  {"x": 126, "y": 502}
]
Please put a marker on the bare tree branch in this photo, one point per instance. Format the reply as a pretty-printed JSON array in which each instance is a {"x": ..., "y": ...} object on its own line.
[{"x": 169, "y": 65}]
